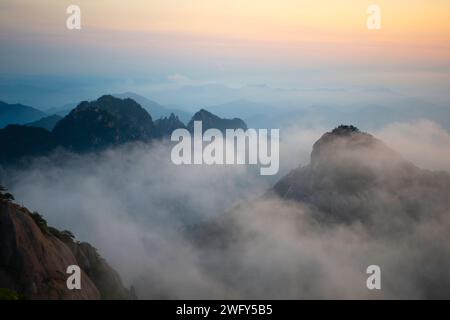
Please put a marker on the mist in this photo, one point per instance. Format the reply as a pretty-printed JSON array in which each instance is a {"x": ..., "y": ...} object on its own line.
[
  {"x": 140, "y": 210},
  {"x": 423, "y": 142}
]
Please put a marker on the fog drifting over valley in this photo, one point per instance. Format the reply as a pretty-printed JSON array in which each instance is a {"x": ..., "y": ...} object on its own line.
[{"x": 137, "y": 208}]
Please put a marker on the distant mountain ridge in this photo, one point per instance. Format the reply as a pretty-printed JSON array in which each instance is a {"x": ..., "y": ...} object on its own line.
[
  {"x": 102, "y": 123},
  {"x": 47, "y": 123},
  {"x": 62, "y": 111},
  {"x": 96, "y": 125},
  {"x": 210, "y": 120},
  {"x": 18, "y": 114},
  {"x": 165, "y": 126},
  {"x": 157, "y": 110}
]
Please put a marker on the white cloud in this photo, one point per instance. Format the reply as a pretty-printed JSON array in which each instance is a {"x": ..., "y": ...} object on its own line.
[
  {"x": 133, "y": 204},
  {"x": 423, "y": 142},
  {"x": 178, "y": 78}
]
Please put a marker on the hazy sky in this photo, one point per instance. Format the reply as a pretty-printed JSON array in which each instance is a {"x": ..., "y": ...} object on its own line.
[{"x": 282, "y": 42}]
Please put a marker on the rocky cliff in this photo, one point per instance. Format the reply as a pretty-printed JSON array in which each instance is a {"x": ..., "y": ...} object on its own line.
[{"x": 34, "y": 259}]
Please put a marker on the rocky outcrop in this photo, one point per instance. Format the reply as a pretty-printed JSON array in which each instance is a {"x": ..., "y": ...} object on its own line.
[
  {"x": 210, "y": 121},
  {"x": 95, "y": 126},
  {"x": 91, "y": 126},
  {"x": 18, "y": 114},
  {"x": 34, "y": 259},
  {"x": 350, "y": 169},
  {"x": 165, "y": 126},
  {"x": 105, "y": 278},
  {"x": 106, "y": 122}
]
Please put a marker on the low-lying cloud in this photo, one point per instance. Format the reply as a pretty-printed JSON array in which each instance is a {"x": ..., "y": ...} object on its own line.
[
  {"x": 423, "y": 142},
  {"x": 138, "y": 209}
]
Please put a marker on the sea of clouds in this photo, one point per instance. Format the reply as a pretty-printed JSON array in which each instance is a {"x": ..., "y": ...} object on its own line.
[{"x": 137, "y": 208}]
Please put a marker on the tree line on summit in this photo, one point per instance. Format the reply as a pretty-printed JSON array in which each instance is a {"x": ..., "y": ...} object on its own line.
[{"x": 96, "y": 125}]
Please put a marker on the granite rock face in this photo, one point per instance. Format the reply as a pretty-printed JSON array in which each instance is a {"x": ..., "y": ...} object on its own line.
[{"x": 34, "y": 259}]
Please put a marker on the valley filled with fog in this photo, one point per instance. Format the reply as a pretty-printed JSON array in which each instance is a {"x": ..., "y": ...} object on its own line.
[{"x": 140, "y": 211}]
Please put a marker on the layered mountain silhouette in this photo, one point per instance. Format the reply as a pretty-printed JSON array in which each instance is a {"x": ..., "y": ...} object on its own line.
[
  {"x": 157, "y": 110},
  {"x": 34, "y": 258},
  {"x": 165, "y": 126},
  {"x": 62, "y": 111},
  {"x": 18, "y": 114},
  {"x": 96, "y": 125},
  {"x": 102, "y": 123},
  {"x": 47, "y": 123},
  {"x": 210, "y": 121}
]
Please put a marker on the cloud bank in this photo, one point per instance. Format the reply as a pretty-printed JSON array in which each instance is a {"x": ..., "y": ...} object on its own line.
[{"x": 144, "y": 214}]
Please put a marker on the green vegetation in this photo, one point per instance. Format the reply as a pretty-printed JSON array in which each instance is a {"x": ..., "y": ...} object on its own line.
[
  {"x": 40, "y": 221},
  {"x": 7, "y": 294},
  {"x": 345, "y": 129},
  {"x": 6, "y": 196},
  {"x": 64, "y": 236}
]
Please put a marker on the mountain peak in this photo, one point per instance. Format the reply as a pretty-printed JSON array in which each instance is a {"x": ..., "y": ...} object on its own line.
[
  {"x": 344, "y": 130},
  {"x": 210, "y": 120},
  {"x": 112, "y": 104},
  {"x": 346, "y": 162},
  {"x": 106, "y": 97},
  {"x": 18, "y": 114},
  {"x": 204, "y": 113},
  {"x": 104, "y": 122},
  {"x": 165, "y": 126},
  {"x": 47, "y": 123},
  {"x": 348, "y": 142}
]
